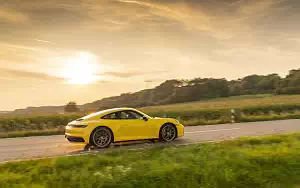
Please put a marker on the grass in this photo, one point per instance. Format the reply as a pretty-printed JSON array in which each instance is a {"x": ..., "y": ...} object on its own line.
[
  {"x": 197, "y": 122},
  {"x": 243, "y": 118},
  {"x": 227, "y": 103},
  {"x": 27, "y": 133},
  {"x": 216, "y": 111},
  {"x": 270, "y": 117},
  {"x": 272, "y": 161}
]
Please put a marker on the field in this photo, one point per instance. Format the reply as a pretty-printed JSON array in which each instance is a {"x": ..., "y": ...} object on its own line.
[
  {"x": 217, "y": 111},
  {"x": 228, "y": 102},
  {"x": 247, "y": 108},
  {"x": 272, "y": 161}
]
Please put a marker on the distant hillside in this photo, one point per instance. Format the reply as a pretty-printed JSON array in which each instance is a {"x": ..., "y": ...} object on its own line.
[
  {"x": 4, "y": 112},
  {"x": 177, "y": 91},
  {"x": 42, "y": 110}
]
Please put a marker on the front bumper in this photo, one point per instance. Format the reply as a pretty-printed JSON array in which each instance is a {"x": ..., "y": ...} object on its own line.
[{"x": 180, "y": 130}]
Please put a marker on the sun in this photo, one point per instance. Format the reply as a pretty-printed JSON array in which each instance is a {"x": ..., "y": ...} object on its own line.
[{"x": 81, "y": 69}]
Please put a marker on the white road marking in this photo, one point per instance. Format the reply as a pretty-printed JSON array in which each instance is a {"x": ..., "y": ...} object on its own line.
[{"x": 213, "y": 130}]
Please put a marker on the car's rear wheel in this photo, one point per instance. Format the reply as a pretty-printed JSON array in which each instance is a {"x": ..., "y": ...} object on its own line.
[
  {"x": 101, "y": 137},
  {"x": 168, "y": 133}
]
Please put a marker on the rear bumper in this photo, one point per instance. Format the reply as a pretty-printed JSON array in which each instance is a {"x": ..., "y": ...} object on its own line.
[
  {"x": 77, "y": 134},
  {"x": 74, "y": 139}
]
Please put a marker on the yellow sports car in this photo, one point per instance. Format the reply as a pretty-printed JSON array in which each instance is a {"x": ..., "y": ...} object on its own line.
[{"x": 121, "y": 124}]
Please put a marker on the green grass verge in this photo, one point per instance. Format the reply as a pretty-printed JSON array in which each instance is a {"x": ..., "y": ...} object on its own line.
[{"x": 272, "y": 161}]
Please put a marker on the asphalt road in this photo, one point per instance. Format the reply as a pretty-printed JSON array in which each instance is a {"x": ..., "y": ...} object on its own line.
[{"x": 50, "y": 146}]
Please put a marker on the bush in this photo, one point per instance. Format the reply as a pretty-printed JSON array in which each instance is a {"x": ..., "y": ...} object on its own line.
[
  {"x": 9, "y": 124},
  {"x": 277, "y": 109},
  {"x": 188, "y": 118}
]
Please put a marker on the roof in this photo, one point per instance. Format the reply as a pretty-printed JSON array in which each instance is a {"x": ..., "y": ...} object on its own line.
[{"x": 103, "y": 112}]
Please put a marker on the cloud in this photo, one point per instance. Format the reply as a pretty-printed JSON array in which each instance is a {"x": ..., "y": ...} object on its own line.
[
  {"x": 222, "y": 19},
  {"x": 103, "y": 82},
  {"x": 12, "y": 16},
  {"x": 190, "y": 27},
  {"x": 154, "y": 6},
  {"x": 43, "y": 41},
  {"x": 20, "y": 74},
  {"x": 22, "y": 47},
  {"x": 254, "y": 7},
  {"x": 129, "y": 74},
  {"x": 121, "y": 74},
  {"x": 151, "y": 80}
]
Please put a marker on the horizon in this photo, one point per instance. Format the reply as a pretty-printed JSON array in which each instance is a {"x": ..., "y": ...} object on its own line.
[
  {"x": 60, "y": 105},
  {"x": 54, "y": 51}
]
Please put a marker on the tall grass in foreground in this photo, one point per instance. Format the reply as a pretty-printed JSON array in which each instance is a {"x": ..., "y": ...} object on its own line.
[{"x": 272, "y": 161}]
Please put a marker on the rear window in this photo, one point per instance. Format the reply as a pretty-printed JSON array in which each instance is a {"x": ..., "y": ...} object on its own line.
[{"x": 110, "y": 116}]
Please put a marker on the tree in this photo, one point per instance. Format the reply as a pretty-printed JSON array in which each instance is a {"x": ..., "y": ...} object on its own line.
[
  {"x": 268, "y": 83},
  {"x": 255, "y": 84},
  {"x": 249, "y": 84},
  {"x": 71, "y": 107},
  {"x": 235, "y": 87},
  {"x": 176, "y": 91},
  {"x": 290, "y": 84}
]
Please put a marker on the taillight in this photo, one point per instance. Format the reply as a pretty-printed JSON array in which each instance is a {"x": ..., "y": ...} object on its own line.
[{"x": 79, "y": 126}]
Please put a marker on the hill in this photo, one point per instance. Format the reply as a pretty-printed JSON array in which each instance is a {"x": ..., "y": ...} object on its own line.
[{"x": 181, "y": 91}]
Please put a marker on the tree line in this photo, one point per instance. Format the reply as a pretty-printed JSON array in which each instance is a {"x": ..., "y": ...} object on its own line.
[{"x": 177, "y": 91}]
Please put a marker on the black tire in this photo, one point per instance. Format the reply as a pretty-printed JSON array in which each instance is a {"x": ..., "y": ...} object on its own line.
[
  {"x": 167, "y": 133},
  {"x": 101, "y": 137},
  {"x": 152, "y": 140},
  {"x": 87, "y": 147}
]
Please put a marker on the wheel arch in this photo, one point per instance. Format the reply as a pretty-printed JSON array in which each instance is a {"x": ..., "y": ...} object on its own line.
[
  {"x": 168, "y": 123},
  {"x": 102, "y": 126}
]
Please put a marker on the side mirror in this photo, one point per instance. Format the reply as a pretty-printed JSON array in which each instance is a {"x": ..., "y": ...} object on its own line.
[{"x": 145, "y": 118}]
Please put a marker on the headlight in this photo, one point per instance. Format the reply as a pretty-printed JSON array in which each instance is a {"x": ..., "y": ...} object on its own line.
[{"x": 177, "y": 121}]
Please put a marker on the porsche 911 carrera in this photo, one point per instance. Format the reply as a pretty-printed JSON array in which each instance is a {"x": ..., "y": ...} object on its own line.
[{"x": 102, "y": 128}]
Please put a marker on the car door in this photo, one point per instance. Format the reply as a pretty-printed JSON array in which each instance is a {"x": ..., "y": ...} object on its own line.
[
  {"x": 134, "y": 127},
  {"x": 114, "y": 120}
]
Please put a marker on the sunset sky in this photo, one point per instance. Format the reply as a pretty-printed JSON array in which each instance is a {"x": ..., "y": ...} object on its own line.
[{"x": 55, "y": 51}]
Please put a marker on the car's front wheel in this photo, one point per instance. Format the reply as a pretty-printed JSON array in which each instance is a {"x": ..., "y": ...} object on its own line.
[
  {"x": 101, "y": 137},
  {"x": 168, "y": 133}
]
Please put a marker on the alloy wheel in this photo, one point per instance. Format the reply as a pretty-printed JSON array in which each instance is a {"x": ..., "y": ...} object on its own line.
[
  {"x": 102, "y": 138},
  {"x": 168, "y": 133}
]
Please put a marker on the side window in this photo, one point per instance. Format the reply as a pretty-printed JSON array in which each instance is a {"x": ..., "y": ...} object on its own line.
[
  {"x": 123, "y": 115},
  {"x": 110, "y": 116},
  {"x": 136, "y": 114},
  {"x": 130, "y": 115}
]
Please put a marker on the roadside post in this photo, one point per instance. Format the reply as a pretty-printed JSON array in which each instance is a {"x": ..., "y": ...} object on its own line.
[{"x": 233, "y": 115}]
